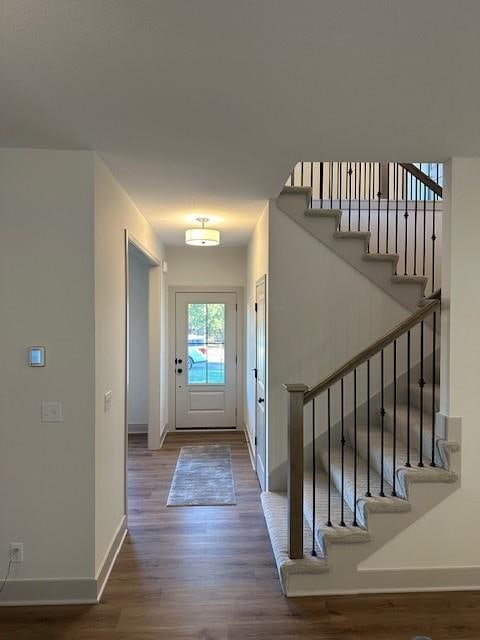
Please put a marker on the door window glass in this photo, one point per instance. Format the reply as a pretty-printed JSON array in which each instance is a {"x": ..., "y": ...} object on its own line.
[{"x": 206, "y": 343}]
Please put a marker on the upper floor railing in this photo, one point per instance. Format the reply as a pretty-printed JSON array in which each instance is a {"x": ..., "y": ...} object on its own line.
[{"x": 399, "y": 204}]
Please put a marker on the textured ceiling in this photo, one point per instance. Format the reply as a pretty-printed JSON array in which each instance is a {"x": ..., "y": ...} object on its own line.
[{"x": 202, "y": 106}]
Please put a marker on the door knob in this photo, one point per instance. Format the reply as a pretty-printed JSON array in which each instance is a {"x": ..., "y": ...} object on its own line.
[
  {"x": 179, "y": 370},
  {"x": 260, "y": 400}
]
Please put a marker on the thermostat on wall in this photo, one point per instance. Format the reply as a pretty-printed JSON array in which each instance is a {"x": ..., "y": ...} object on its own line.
[{"x": 36, "y": 356}]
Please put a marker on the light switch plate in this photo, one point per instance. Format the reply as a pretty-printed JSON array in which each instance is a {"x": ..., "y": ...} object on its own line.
[
  {"x": 107, "y": 401},
  {"x": 52, "y": 412}
]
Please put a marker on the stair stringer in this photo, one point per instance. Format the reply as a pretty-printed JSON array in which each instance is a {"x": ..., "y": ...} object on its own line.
[
  {"x": 323, "y": 225},
  {"x": 340, "y": 550}
]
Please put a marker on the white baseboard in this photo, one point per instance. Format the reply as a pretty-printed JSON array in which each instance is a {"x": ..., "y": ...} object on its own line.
[
  {"x": 390, "y": 581},
  {"x": 111, "y": 555},
  {"x": 251, "y": 450},
  {"x": 31, "y": 591},
  {"x": 62, "y": 591},
  {"x": 163, "y": 435}
]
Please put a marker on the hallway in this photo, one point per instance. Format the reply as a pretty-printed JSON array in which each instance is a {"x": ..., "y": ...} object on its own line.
[{"x": 207, "y": 573}]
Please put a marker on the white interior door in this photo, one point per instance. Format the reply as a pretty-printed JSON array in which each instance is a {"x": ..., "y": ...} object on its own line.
[
  {"x": 260, "y": 375},
  {"x": 205, "y": 360}
]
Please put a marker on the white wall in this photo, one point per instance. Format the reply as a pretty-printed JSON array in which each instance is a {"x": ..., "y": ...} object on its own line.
[
  {"x": 321, "y": 312},
  {"x": 47, "y": 294},
  {"x": 206, "y": 266},
  {"x": 448, "y": 534},
  {"x": 256, "y": 267},
  {"x": 114, "y": 212},
  {"x": 138, "y": 340}
]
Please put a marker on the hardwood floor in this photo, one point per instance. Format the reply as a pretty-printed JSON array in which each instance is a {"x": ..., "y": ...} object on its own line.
[{"x": 207, "y": 573}]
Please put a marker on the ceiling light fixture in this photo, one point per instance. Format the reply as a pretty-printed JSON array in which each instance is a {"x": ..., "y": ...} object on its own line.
[{"x": 202, "y": 237}]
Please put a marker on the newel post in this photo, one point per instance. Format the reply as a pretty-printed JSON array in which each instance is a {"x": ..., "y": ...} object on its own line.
[{"x": 295, "y": 469}]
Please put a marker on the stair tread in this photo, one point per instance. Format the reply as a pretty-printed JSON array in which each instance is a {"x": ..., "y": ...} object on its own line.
[
  {"x": 403, "y": 410},
  {"x": 344, "y": 234},
  {"x": 399, "y": 279},
  {"x": 375, "y": 502},
  {"x": 402, "y": 425},
  {"x": 427, "y": 391},
  {"x": 295, "y": 190},
  {"x": 324, "y": 532},
  {"x": 426, "y": 472},
  {"x": 323, "y": 213},
  {"x": 275, "y": 508},
  {"x": 387, "y": 257}
]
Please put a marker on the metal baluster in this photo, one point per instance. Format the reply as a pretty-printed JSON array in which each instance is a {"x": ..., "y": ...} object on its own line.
[
  {"x": 340, "y": 164},
  {"x": 388, "y": 209},
  {"x": 415, "y": 230},
  {"x": 354, "y": 523},
  {"x": 409, "y": 341},
  {"x": 350, "y": 171},
  {"x": 434, "y": 237},
  {"x": 329, "y": 425},
  {"x": 434, "y": 356},
  {"x": 379, "y": 195},
  {"x": 397, "y": 183},
  {"x": 311, "y": 184},
  {"x": 369, "y": 200},
  {"x": 321, "y": 184},
  {"x": 421, "y": 384},
  {"x": 330, "y": 182},
  {"x": 382, "y": 417},
  {"x": 314, "y": 478},
  {"x": 301, "y": 174},
  {"x": 394, "y": 452},
  {"x": 368, "y": 493},
  {"x": 342, "y": 520},
  {"x": 424, "y": 232},
  {"x": 406, "y": 178},
  {"x": 359, "y": 191}
]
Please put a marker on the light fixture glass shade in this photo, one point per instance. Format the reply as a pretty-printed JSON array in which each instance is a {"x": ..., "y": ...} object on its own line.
[{"x": 202, "y": 237}]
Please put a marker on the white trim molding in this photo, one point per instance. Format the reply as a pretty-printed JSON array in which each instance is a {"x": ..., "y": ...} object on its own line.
[
  {"x": 172, "y": 290},
  {"x": 251, "y": 450}
]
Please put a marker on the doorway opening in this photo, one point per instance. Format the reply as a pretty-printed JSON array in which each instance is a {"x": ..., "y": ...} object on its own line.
[
  {"x": 138, "y": 391},
  {"x": 144, "y": 400}
]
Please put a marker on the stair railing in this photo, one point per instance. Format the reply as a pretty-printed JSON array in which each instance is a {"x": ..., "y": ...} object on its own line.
[
  {"x": 404, "y": 337},
  {"x": 397, "y": 203}
]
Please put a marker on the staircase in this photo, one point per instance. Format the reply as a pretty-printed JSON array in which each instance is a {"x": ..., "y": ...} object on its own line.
[
  {"x": 366, "y": 455},
  {"x": 392, "y": 238}
]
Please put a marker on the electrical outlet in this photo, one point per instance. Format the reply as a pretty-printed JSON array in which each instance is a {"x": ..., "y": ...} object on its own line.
[{"x": 16, "y": 551}]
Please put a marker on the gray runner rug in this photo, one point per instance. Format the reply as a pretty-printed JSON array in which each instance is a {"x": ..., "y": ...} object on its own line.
[{"x": 203, "y": 476}]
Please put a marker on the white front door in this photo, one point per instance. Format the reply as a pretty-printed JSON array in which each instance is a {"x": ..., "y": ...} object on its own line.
[{"x": 205, "y": 360}]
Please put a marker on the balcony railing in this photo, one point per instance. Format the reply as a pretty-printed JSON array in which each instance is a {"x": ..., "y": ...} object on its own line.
[{"x": 399, "y": 204}]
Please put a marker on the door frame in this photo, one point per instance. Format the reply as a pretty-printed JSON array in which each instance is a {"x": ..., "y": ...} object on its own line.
[
  {"x": 172, "y": 290},
  {"x": 155, "y": 329},
  {"x": 262, "y": 280}
]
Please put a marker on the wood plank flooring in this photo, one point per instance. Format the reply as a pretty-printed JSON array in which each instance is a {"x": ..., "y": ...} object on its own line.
[{"x": 207, "y": 573}]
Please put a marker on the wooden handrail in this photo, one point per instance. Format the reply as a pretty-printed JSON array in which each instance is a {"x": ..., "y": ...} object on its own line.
[
  {"x": 376, "y": 347},
  {"x": 422, "y": 177}
]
